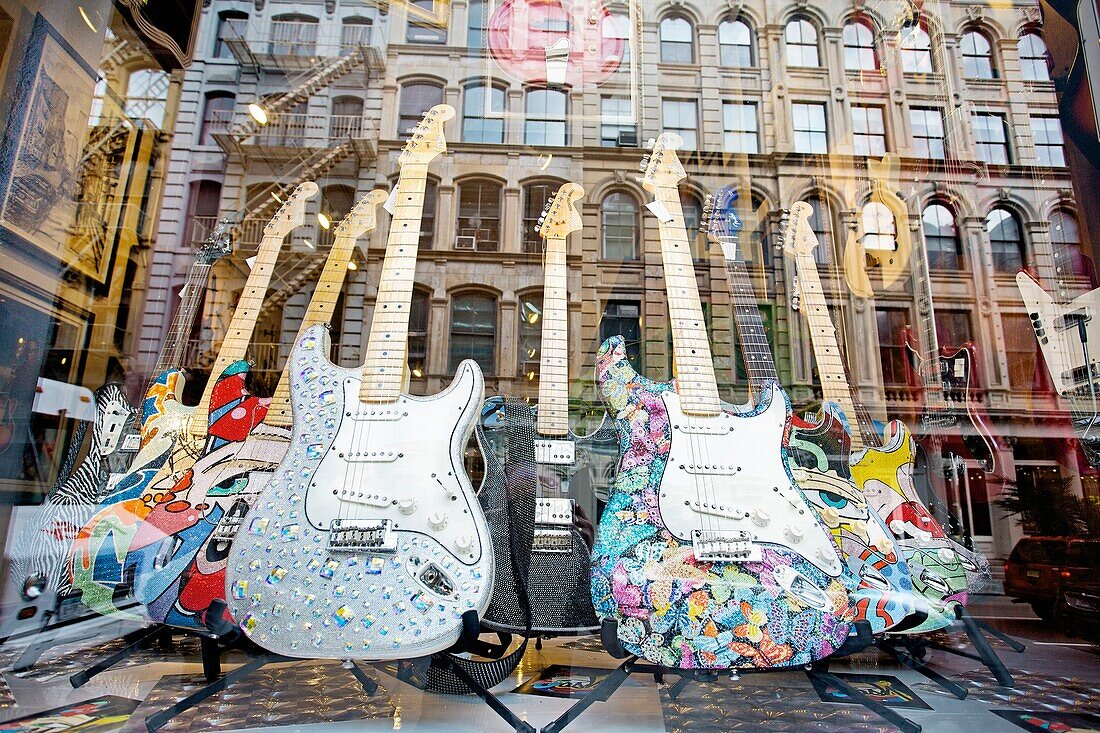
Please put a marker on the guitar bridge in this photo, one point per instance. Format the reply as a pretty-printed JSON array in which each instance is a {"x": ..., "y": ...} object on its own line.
[
  {"x": 551, "y": 540},
  {"x": 555, "y": 452},
  {"x": 361, "y": 535},
  {"x": 724, "y": 546}
]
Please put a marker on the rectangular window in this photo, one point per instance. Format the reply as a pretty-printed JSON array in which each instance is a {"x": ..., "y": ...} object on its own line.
[
  {"x": 483, "y": 118},
  {"x": 476, "y": 22},
  {"x": 473, "y": 332},
  {"x": 1021, "y": 350},
  {"x": 810, "y": 133},
  {"x": 624, "y": 318},
  {"x": 681, "y": 117},
  {"x": 953, "y": 328},
  {"x": 868, "y": 131},
  {"x": 740, "y": 126},
  {"x": 545, "y": 124},
  {"x": 1047, "y": 132},
  {"x": 230, "y": 25},
  {"x": 421, "y": 28},
  {"x": 928, "y": 141},
  {"x": 616, "y": 116},
  {"x": 891, "y": 322},
  {"x": 991, "y": 137}
]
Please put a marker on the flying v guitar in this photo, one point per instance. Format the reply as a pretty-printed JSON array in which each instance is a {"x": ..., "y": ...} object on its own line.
[
  {"x": 819, "y": 451},
  {"x": 538, "y": 440},
  {"x": 707, "y": 554},
  {"x": 369, "y": 542},
  {"x": 142, "y": 533}
]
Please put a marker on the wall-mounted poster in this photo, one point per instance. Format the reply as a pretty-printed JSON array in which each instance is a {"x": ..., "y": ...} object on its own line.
[{"x": 43, "y": 147}]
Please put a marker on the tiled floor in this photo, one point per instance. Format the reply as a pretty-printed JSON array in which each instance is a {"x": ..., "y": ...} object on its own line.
[{"x": 1053, "y": 674}]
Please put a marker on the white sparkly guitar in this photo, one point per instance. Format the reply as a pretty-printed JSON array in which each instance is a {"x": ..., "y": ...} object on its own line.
[{"x": 369, "y": 543}]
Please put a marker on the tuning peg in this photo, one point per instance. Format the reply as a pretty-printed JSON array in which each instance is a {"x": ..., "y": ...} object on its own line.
[{"x": 651, "y": 143}]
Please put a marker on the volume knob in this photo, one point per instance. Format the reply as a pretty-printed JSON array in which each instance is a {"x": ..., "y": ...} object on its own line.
[
  {"x": 407, "y": 506},
  {"x": 464, "y": 544},
  {"x": 760, "y": 517},
  {"x": 794, "y": 534},
  {"x": 438, "y": 520}
]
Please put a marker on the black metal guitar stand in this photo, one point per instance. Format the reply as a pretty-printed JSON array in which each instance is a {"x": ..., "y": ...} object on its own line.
[
  {"x": 818, "y": 670},
  {"x": 134, "y": 640}
]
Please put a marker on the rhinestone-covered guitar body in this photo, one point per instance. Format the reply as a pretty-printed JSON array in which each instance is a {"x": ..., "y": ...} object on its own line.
[
  {"x": 778, "y": 610},
  {"x": 368, "y": 542},
  {"x": 819, "y": 458}
]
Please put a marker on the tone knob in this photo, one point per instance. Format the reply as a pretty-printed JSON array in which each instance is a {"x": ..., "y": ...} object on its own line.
[
  {"x": 438, "y": 520},
  {"x": 760, "y": 517},
  {"x": 794, "y": 534},
  {"x": 464, "y": 544},
  {"x": 407, "y": 506},
  {"x": 830, "y": 516}
]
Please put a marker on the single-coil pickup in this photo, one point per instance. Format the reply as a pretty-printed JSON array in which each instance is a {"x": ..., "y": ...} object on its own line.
[
  {"x": 552, "y": 540},
  {"x": 708, "y": 469},
  {"x": 554, "y": 512},
  {"x": 390, "y": 414},
  {"x": 371, "y": 456},
  {"x": 555, "y": 452},
  {"x": 758, "y": 516},
  {"x": 227, "y": 528},
  {"x": 360, "y": 535},
  {"x": 358, "y": 496},
  {"x": 705, "y": 426},
  {"x": 724, "y": 546}
]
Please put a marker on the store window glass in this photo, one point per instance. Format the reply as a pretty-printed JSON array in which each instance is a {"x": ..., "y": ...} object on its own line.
[
  {"x": 735, "y": 44},
  {"x": 483, "y": 114},
  {"x": 800, "y": 39},
  {"x": 1034, "y": 60},
  {"x": 427, "y": 218},
  {"x": 693, "y": 218},
  {"x": 473, "y": 331},
  {"x": 546, "y": 120},
  {"x": 880, "y": 230},
  {"x": 916, "y": 51},
  {"x": 355, "y": 32},
  {"x": 859, "y": 46},
  {"x": 293, "y": 35},
  {"x": 619, "y": 226},
  {"x": 821, "y": 222},
  {"x": 476, "y": 22},
  {"x": 347, "y": 118},
  {"x": 677, "y": 40},
  {"x": 977, "y": 56},
  {"x": 1006, "y": 240}
]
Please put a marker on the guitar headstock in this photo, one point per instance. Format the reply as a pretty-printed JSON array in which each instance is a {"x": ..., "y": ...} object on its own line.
[
  {"x": 220, "y": 242},
  {"x": 292, "y": 214},
  {"x": 427, "y": 140},
  {"x": 721, "y": 222},
  {"x": 798, "y": 235},
  {"x": 560, "y": 217},
  {"x": 662, "y": 166},
  {"x": 361, "y": 219}
]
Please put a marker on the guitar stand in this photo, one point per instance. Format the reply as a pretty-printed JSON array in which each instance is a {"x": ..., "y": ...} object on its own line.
[
  {"x": 134, "y": 642},
  {"x": 818, "y": 670}
]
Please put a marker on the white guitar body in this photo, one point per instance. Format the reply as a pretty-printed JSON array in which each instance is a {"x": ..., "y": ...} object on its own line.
[
  {"x": 724, "y": 477},
  {"x": 1058, "y": 336},
  {"x": 369, "y": 542}
]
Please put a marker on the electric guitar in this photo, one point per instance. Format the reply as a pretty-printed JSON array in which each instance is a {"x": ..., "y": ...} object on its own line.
[
  {"x": 707, "y": 554},
  {"x": 559, "y": 564},
  {"x": 141, "y": 532},
  {"x": 227, "y": 476},
  {"x": 819, "y": 451},
  {"x": 1065, "y": 331},
  {"x": 369, "y": 542}
]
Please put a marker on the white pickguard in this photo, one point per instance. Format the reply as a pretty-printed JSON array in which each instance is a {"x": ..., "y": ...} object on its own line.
[
  {"x": 293, "y": 593},
  {"x": 727, "y": 474},
  {"x": 1059, "y": 341}
]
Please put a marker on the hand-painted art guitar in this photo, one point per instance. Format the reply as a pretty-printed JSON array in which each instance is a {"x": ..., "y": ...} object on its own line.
[
  {"x": 707, "y": 554},
  {"x": 818, "y": 452},
  {"x": 142, "y": 532},
  {"x": 227, "y": 477},
  {"x": 369, "y": 542},
  {"x": 559, "y": 565}
]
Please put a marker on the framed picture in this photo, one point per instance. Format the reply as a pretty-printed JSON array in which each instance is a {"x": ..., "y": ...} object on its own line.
[{"x": 41, "y": 160}]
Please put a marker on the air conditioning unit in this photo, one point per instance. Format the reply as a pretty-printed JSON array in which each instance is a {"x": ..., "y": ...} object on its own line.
[
  {"x": 469, "y": 243},
  {"x": 628, "y": 138}
]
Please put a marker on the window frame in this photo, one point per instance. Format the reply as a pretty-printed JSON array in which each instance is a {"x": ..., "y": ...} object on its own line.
[
  {"x": 869, "y": 134},
  {"x": 206, "y": 127},
  {"x": 999, "y": 251},
  {"x": 986, "y": 148},
  {"x": 975, "y": 63},
  {"x": 913, "y": 57},
  {"x": 546, "y": 120},
  {"x": 855, "y": 46},
  {"x": 486, "y": 123},
  {"x": 691, "y": 141},
  {"x": 1030, "y": 63},
  {"x": 674, "y": 47},
  {"x": 928, "y": 113},
  {"x": 731, "y": 54},
  {"x": 453, "y": 359},
  {"x": 810, "y": 134},
  {"x": 635, "y": 225},
  {"x": 1045, "y": 148},
  {"x": 801, "y": 43},
  {"x": 753, "y": 134},
  {"x": 464, "y": 184},
  {"x": 937, "y": 257},
  {"x": 530, "y": 241},
  {"x": 403, "y": 117}
]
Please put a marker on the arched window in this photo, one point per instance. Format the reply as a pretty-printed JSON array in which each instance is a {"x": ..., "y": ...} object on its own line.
[
  {"x": 916, "y": 51},
  {"x": 693, "y": 220},
  {"x": 880, "y": 231},
  {"x": 231, "y": 25},
  {"x": 616, "y": 27},
  {"x": 419, "y": 311},
  {"x": 355, "y": 32},
  {"x": 1006, "y": 240},
  {"x": 859, "y": 46},
  {"x": 677, "y": 40},
  {"x": 147, "y": 95},
  {"x": 216, "y": 116},
  {"x": 293, "y": 34},
  {"x": 545, "y": 117},
  {"x": 735, "y": 44},
  {"x": 619, "y": 226},
  {"x": 346, "y": 119},
  {"x": 482, "y": 114},
  {"x": 427, "y": 216},
  {"x": 801, "y": 42},
  {"x": 941, "y": 238},
  {"x": 821, "y": 221},
  {"x": 977, "y": 56},
  {"x": 535, "y": 196},
  {"x": 1069, "y": 258},
  {"x": 1034, "y": 61},
  {"x": 479, "y": 215},
  {"x": 473, "y": 332},
  {"x": 416, "y": 99},
  {"x": 424, "y": 26},
  {"x": 529, "y": 341}
]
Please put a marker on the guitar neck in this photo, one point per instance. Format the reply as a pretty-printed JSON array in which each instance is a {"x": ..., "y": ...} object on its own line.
[
  {"x": 553, "y": 412},
  {"x": 384, "y": 369},
  {"x": 239, "y": 334},
  {"x": 194, "y": 289},
  {"x": 320, "y": 310},
  {"x": 751, "y": 334},
  {"x": 694, "y": 369},
  {"x": 830, "y": 363}
]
